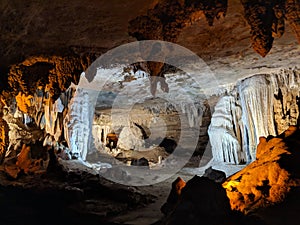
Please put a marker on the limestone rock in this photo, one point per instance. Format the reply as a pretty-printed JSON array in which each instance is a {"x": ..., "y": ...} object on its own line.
[
  {"x": 28, "y": 163},
  {"x": 260, "y": 105},
  {"x": 174, "y": 196},
  {"x": 131, "y": 138},
  {"x": 54, "y": 74},
  {"x": 215, "y": 175},
  {"x": 269, "y": 179},
  {"x": 166, "y": 20},
  {"x": 202, "y": 201},
  {"x": 140, "y": 162},
  {"x": 152, "y": 154},
  {"x": 293, "y": 15},
  {"x": 4, "y": 140}
]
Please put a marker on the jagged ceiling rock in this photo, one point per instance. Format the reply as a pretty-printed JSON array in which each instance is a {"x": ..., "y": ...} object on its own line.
[
  {"x": 53, "y": 74},
  {"x": 293, "y": 15},
  {"x": 168, "y": 18},
  {"x": 78, "y": 27}
]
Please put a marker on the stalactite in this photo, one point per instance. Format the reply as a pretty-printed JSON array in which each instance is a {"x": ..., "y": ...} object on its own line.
[
  {"x": 168, "y": 18},
  {"x": 259, "y": 16}
]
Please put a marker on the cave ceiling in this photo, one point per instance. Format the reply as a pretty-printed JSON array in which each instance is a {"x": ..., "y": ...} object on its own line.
[{"x": 235, "y": 38}]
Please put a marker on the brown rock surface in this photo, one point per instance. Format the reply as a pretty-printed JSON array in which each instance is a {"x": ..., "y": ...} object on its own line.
[
  {"x": 293, "y": 15},
  {"x": 168, "y": 19},
  {"x": 33, "y": 159},
  {"x": 78, "y": 27},
  {"x": 3, "y": 139},
  {"x": 202, "y": 201},
  {"x": 174, "y": 196},
  {"x": 52, "y": 73},
  {"x": 268, "y": 180}
]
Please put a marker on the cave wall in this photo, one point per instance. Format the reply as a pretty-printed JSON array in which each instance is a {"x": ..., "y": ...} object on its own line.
[
  {"x": 260, "y": 105},
  {"x": 36, "y": 101}
]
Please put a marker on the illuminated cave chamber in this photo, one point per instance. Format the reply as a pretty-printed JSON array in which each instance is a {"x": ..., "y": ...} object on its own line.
[
  {"x": 152, "y": 127},
  {"x": 78, "y": 122},
  {"x": 261, "y": 105}
]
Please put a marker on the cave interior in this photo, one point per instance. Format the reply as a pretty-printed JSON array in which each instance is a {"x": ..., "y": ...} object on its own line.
[{"x": 160, "y": 112}]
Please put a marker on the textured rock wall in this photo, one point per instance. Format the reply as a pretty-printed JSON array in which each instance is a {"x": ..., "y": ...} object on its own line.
[
  {"x": 52, "y": 73},
  {"x": 4, "y": 140},
  {"x": 32, "y": 105},
  {"x": 258, "y": 106}
]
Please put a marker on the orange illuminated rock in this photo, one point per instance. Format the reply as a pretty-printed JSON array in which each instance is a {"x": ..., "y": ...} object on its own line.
[
  {"x": 3, "y": 139},
  {"x": 23, "y": 102},
  {"x": 28, "y": 163},
  {"x": 54, "y": 73},
  {"x": 269, "y": 179},
  {"x": 174, "y": 195},
  {"x": 201, "y": 201}
]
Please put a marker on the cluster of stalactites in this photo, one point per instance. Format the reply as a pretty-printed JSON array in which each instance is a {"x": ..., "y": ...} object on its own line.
[
  {"x": 167, "y": 19},
  {"x": 266, "y": 18}
]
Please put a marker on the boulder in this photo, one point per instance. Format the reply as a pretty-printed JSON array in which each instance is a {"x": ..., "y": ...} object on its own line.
[
  {"x": 27, "y": 161},
  {"x": 173, "y": 197},
  {"x": 32, "y": 159},
  {"x": 140, "y": 162},
  {"x": 215, "y": 175},
  {"x": 271, "y": 177},
  {"x": 131, "y": 138},
  {"x": 202, "y": 201}
]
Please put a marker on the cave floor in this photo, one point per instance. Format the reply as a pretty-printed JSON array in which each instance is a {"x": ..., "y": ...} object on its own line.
[{"x": 76, "y": 194}]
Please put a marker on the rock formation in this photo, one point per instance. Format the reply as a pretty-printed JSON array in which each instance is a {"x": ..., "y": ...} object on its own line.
[
  {"x": 271, "y": 177},
  {"x": 215, "y": 175},
  {"x": 266, "y": 20},
  {"x": 166, "y": 21},
  {"x": 168, "y": 18},
  {"x": 4, "y": 139},
  {"x": 37, "y": 103},
  {"x": 32, "y": 159},
  {"x": 53, "y": 74},
  {"x": 174, "y": 196},
  {"x": 201, "y": 201},
  {"x": 267, "y": 185},
  {"x": 210, "y": 205},
  {"x": 293, "y": 15},
  {"x": 258, "y": 106}
]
